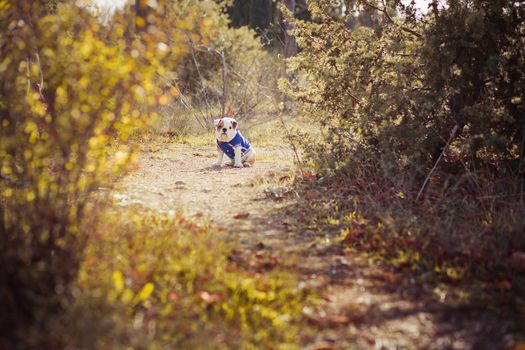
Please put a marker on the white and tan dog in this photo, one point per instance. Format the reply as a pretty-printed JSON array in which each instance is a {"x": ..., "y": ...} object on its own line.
[{"x": 230, "y": 141}]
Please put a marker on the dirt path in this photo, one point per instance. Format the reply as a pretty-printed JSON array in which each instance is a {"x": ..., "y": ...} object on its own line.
[
  {"x": 363, "y": 306},
  {"x": 180, "y": 178}
]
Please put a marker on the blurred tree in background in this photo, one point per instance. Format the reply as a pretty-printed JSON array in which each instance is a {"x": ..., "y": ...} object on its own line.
[
  {"x": 265, "y": 17},
  {"x": 221, "y": 68}
]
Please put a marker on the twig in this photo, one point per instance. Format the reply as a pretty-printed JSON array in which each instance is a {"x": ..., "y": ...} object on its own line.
[
  {"x": 28, "y": 74},
  {"x": 390, "y": 19},
  {"x": 495, "y": 196},
  {"x": 294, "y": 148},
  {"x": 522, "y": 155},
  {"x": 204, "y": 89},
  {"x": 224, "y": 85},
  {"x": 40, "y": 70},
  {"x": 452, "y": 135}
]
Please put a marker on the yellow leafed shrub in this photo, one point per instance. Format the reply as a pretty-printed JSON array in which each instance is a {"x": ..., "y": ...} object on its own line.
[
  {"x": 68, "y": 105},
  {"x": 159, "y": 282}
]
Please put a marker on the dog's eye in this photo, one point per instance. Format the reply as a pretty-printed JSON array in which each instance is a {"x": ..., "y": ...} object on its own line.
[{"x": 230, "y": 127}]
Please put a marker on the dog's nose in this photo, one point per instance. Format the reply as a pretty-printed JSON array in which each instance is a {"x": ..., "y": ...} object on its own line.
[{"x": 224, "y": 129}]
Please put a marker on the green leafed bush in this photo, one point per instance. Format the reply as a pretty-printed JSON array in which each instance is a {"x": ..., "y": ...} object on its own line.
[
  {"x": 396, "y": 90},
  {"x": 386, "y": 98}
]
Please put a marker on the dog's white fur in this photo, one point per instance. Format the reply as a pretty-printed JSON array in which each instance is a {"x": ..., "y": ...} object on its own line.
[{"x": 231, "y": 127}]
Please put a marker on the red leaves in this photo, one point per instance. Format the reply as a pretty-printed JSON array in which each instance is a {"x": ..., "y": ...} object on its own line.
[
  {"x": 500, "y": 285},
  {"x": 390, "y": 277},
  {"x": 181, "y": 218},
  {"x": 265, "y": 261},
  {"x": 353, "y": 236},
  {"x": 230, "y": 113},
  {"x": 308, "y": 176},
  {"x": 173, "y": 296},
  {"x": 207, "y": 297},
  {"x": 241, "y": 215},
  {"x": 517, "y": 261},
  {"x": 331, "y": 321}
]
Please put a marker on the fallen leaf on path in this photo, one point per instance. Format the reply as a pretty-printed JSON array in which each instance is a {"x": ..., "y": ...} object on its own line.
[
  {"x": 353, "y": 235},
  {"x": 326, "y": 298},
  {"x": 264, "y": 261},
  {"x": 390, "y": 277},
  {"x": 307, "y": 175},
  {"x": 279, "y": 193},
  {"x": 91, "y": 261},
  {"x": 284, "y": 178},
  {"x": 241, "y": 215},
  {"x": 198, "y": 214},
  {"x": 325, "y": 347},
  {"x": 331, "y": 321}
]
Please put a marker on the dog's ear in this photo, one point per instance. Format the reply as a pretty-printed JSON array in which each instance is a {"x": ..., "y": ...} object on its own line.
[
  {"x": 216, "y": 122},
  {"x": 234, "y": 123}
]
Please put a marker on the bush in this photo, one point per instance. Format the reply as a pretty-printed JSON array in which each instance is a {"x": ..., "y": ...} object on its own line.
[
  {"x": 474, "y": 57},
  {"x": 68, "y": 105},
  {"x": 386, "y": 98},
  {"x": 160, "y": 282},
  {"x": 359, "y": 86},
  {"x": 396, "y": 90}
]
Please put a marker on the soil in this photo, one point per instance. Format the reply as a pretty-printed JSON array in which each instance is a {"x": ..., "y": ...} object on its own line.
[{"x": 364, "y": 305}]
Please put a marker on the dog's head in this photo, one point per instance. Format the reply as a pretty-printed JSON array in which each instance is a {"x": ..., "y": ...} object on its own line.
[{"x": 225, "y": 129}]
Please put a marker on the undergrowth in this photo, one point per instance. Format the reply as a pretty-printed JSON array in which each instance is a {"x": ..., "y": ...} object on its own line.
[
  {"x": 159, "y": 282},
  {"x": 453, "y": 238}
]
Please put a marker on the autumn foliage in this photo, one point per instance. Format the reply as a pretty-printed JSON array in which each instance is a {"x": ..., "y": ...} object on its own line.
[{"x": 69, "y": 104}]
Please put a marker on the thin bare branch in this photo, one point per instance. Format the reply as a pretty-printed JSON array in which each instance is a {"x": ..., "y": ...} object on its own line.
[
  {"x": 390, "y": 19},
  {"x": 452, "y": 136}
]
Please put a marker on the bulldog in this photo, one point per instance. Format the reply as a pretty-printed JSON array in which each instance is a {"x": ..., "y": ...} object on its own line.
[{"x": 230, "y": 141}]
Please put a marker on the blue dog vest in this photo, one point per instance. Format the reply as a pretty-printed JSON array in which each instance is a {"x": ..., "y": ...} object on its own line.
[{"x": 238, "y": 140}]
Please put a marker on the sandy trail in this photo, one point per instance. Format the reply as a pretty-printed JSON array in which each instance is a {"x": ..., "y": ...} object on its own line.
[{"x": 179, "y": 178}]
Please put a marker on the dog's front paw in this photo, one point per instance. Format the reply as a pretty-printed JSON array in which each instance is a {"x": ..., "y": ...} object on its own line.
[
  {"x": 216, "y": 165},
  {"x": 239, "y": 165}
]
